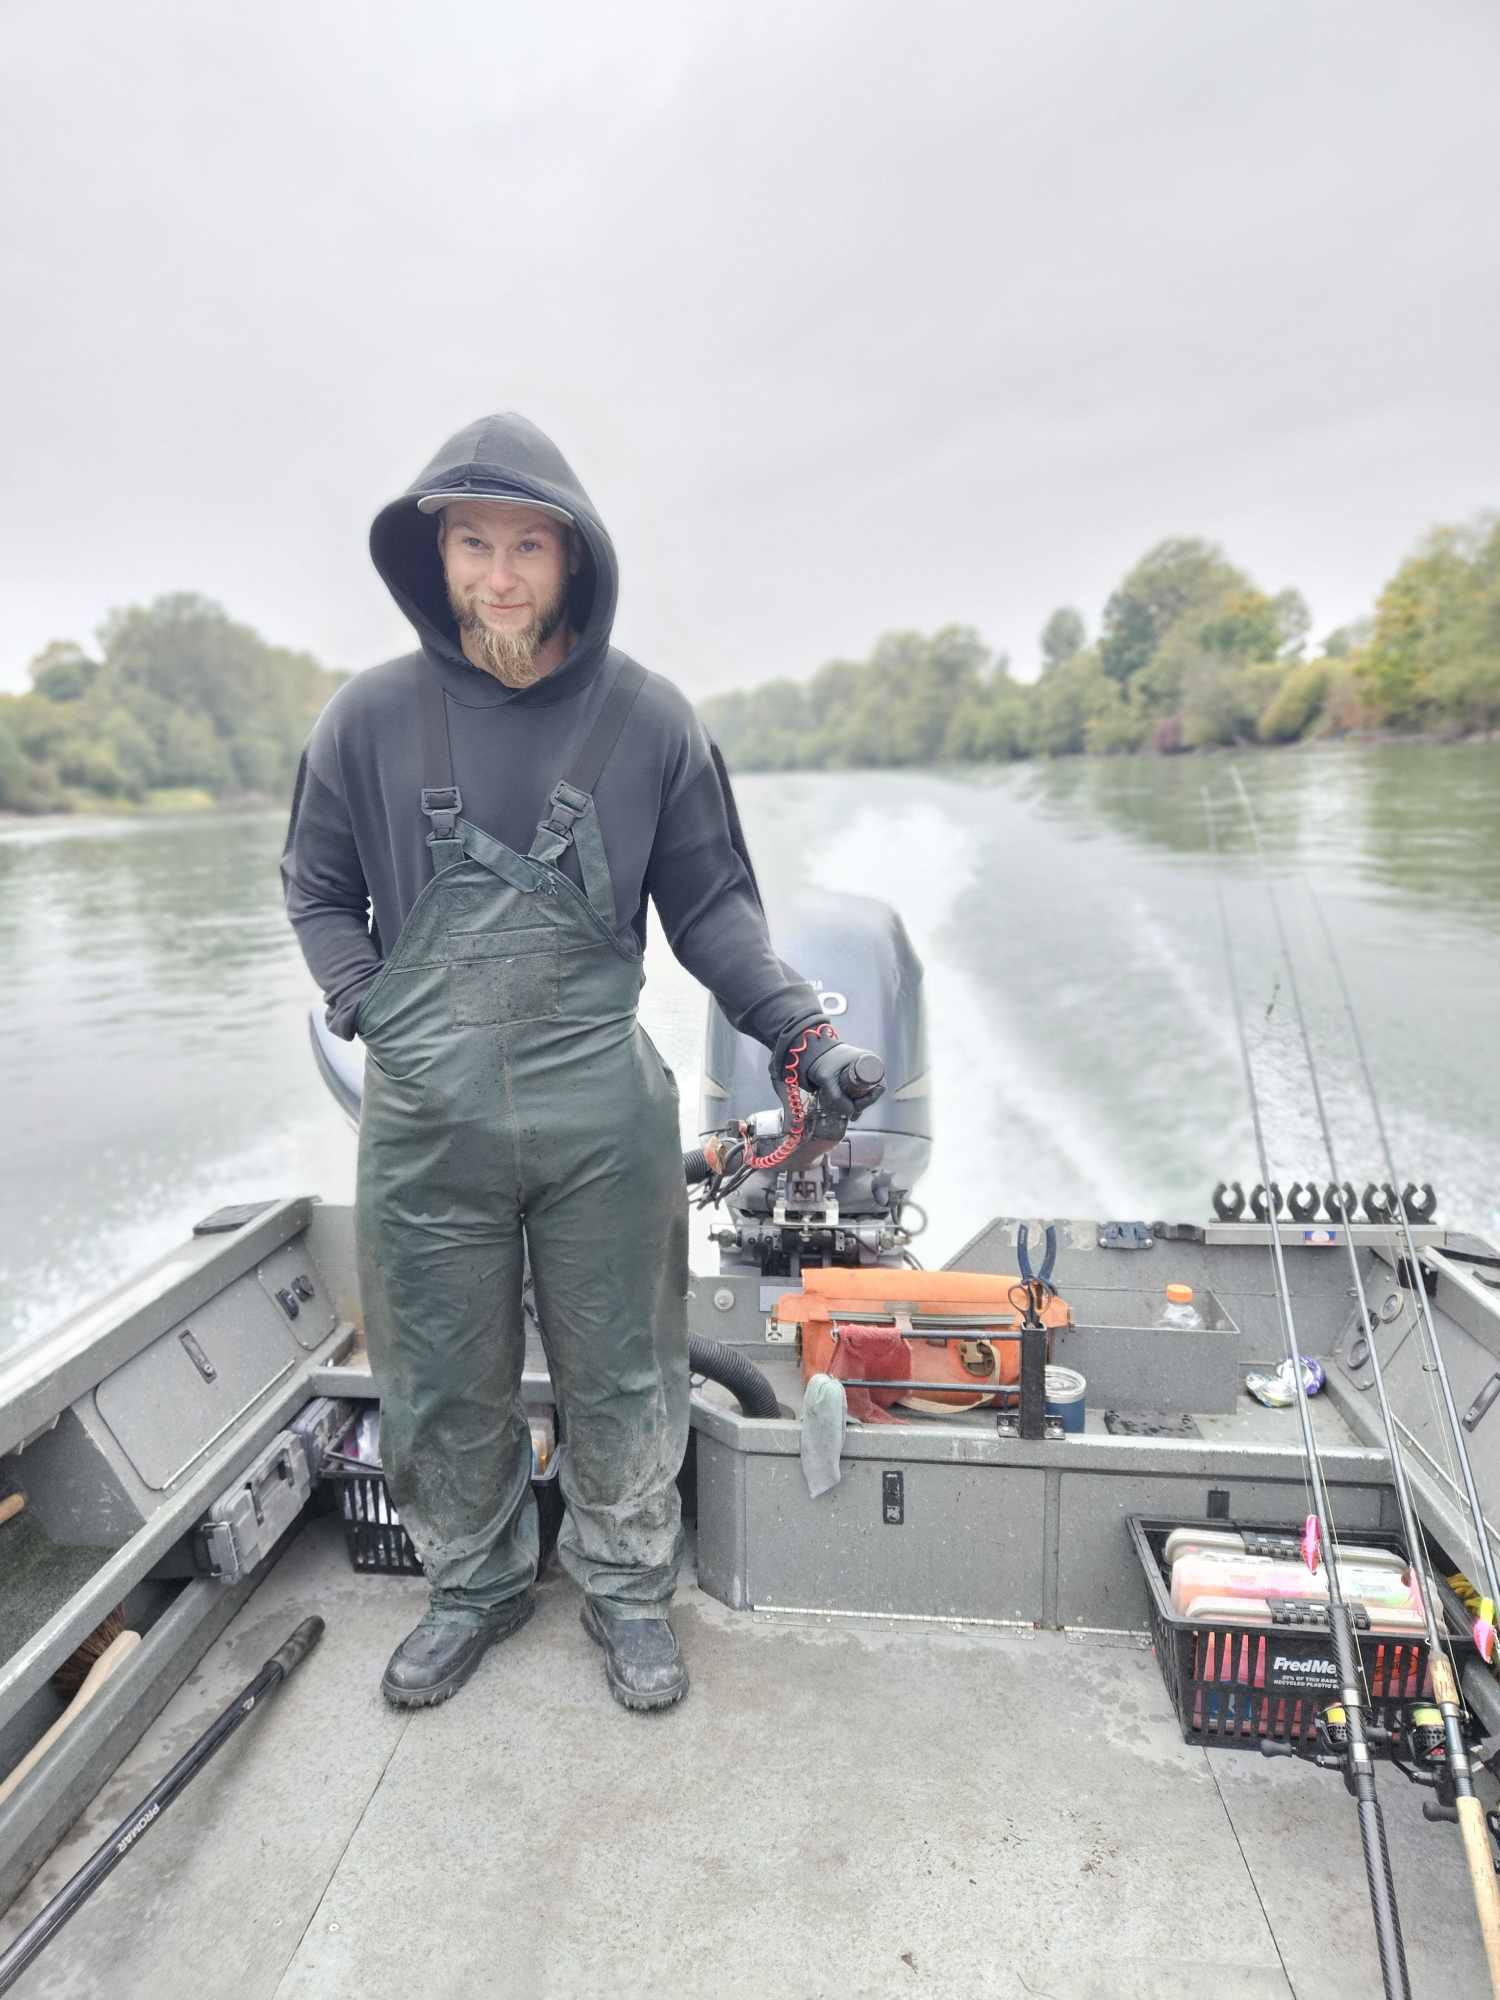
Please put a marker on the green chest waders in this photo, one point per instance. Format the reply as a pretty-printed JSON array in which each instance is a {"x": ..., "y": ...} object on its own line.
[{"x": 509, "y": 1088}]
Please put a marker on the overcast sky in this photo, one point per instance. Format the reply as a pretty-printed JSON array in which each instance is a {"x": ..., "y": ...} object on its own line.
[{"x": 849, "y": 316}]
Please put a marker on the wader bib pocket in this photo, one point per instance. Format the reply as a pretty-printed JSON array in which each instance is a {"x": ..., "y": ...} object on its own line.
[{"x": 497, "y": 977}]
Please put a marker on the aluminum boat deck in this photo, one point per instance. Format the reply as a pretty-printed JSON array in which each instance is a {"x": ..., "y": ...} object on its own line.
[
  {"x": 839, "y": 1808},
  {"x": 937, "y": 1757}
]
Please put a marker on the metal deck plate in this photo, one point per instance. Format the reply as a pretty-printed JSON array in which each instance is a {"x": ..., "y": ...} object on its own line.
[{"x": 843, "y": 1810}]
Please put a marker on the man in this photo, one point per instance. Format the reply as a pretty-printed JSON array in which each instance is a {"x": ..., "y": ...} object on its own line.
[{"x": 505, "y": 799}]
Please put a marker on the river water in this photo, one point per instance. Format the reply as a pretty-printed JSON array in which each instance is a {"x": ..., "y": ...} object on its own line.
[{"x": 155, "y": 1060}]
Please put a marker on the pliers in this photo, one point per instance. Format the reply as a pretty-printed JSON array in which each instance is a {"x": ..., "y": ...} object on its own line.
[
  {"x": 1033, "y": 1294},
  {"x": 1042, "y": 1278}
]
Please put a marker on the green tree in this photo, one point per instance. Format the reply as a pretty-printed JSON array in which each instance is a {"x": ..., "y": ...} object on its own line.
[
  {"x": 1434, "y": 656},
  {"x": 63, "y": 671},
  {"x": 1116, "y": 723},
  {"x": 1174, "y": 579},
  {"x": 1222, "y": 701},
  {"x": 989, "y": 724},
  {"x": 190, "y": 752},
  {"x": 180, "y": 695},
  {"x": 763, "y": 729},
  {"x": 1064, "y": 637},
  {"x": 908, "y": 693},
  {"x": 1346, "y": 640},
  {"x": 1066, "y": 702},
  {"x": 26, "y": 784},
  {"x": 1243, "y": 625},
  {"x": 1296, "y": 704},
  {"x": 92, "y": 765}
]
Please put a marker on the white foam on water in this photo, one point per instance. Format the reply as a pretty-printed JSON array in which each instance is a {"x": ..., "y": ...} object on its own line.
[
  {"x": 299, "y": 1152},
  {"x": 1164, "y": 956},
  {"x": 1010, "y": 1131}
]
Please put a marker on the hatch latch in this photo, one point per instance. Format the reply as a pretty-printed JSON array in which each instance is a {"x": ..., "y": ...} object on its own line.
[{"x": 1125, "y": 1236}]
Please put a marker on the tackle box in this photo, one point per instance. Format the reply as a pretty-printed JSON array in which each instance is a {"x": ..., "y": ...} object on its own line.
[{"x": 1236, "y": 1682}]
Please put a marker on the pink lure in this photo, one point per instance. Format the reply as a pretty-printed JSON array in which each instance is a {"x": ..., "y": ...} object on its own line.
[
  {"x": 1484, "y": 1638},
  {"x": 1312, "y": 1543}
]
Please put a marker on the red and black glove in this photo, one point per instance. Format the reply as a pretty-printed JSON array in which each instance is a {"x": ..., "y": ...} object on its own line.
[{"x": 845, "y": 1080}]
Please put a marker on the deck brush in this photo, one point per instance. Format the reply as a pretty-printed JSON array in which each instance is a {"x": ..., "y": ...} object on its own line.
[
  {"x": 74, "y": 1671},
  {"x": 114, "y": 1656}
]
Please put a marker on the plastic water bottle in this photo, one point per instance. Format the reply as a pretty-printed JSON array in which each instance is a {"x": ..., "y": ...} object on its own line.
[{"x": 1179, "y": 1311}]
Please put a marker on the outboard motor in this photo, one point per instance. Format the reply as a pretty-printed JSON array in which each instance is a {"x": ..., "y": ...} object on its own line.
[
  {"x": 846, "y": 1206},
  {"x": 844, "y": 1198}
]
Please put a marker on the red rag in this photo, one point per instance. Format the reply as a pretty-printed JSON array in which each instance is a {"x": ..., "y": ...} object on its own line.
[{"x": 876, "y": 1353}]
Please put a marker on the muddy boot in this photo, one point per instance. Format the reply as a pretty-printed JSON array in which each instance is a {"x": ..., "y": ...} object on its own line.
[
  {"x": 641, "y": 1660},
  {"x": 437, "y": 1658}
]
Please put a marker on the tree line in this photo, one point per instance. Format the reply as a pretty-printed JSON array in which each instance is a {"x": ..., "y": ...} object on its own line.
[
  {"x": 178, "y": 702},
  {"x": 1190, "y": 653}
]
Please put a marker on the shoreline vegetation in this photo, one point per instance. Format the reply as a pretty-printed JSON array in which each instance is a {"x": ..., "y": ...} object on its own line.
[
  {"x": 1190, "y": 655},
  {"x": 180, "y": 708}
]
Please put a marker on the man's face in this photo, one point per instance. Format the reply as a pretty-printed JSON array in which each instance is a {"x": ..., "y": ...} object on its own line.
[{"x": 507, "y": 569}]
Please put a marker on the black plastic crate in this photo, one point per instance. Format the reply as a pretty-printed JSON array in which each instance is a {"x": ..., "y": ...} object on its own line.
[
  {"x": 1236, "y": 1683},
  {"x": 373, "y": 1534}
]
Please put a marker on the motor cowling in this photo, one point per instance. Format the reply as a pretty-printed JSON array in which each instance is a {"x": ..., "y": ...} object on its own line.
[{"x": 855, "y": 952}]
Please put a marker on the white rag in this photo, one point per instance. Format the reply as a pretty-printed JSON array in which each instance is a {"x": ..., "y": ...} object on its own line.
[{"x": 825, "y": 1411}]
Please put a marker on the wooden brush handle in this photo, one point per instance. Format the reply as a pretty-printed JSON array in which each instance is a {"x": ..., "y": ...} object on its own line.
[
  {"x": 114, "y": 1654},
  {"x": 11, "y": 1505}
]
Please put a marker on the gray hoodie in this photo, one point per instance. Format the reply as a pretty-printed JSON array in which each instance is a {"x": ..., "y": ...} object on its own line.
[{"x": 356, "y": 855}]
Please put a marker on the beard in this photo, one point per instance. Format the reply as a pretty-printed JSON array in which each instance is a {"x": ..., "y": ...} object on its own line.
[{"x": 509, "y": 656}]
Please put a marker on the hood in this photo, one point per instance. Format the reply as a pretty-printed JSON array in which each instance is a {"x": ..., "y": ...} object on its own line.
[{"x": 500, "y": 458}]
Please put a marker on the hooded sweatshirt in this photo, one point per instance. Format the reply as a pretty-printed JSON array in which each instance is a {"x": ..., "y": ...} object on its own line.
[{"x": 356, "y": 855}]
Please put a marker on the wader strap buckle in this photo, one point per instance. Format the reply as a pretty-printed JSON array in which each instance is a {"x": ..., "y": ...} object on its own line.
[
  {"x": 442, "y": 805},
  {"x": 566, "y": 806}
]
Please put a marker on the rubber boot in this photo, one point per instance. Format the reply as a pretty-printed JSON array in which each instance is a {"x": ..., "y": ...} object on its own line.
[
  {"x": 641, "y": 1661},
  {"x": 435, "y": 1660}
]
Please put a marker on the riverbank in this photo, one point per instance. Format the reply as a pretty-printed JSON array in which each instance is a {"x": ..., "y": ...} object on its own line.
[
  {"x": 1147, "y": 754},
  {"x": 169, "y": 799},
  {"x": 191, "y": 799}
]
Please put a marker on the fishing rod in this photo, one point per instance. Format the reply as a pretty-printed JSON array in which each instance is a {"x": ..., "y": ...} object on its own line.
[
  {"x": 1355, "y": 1757},
  {"x": 1484, "y": 1634},
  {"x": 1466, "y": 1807},
  {"x": 75, "y": 1892}
]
